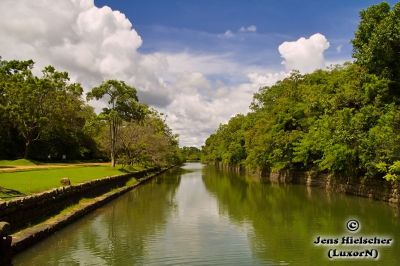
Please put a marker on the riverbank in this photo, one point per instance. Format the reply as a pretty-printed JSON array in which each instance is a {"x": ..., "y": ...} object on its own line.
[
  {"x": 377, "y": 189},
  {"x": 44, "y": 213}
]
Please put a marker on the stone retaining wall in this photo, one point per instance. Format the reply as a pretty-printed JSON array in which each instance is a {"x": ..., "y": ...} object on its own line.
[
  {"x": 25, "y": 211},
  {"x": 378, "y": 189}
]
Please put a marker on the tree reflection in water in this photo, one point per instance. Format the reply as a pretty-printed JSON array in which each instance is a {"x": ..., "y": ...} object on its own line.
[{"x": 286, "y": 218}]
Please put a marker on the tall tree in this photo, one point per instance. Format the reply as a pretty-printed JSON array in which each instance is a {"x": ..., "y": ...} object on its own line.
[
  {"x": 376, "y": 44},
  {"x": 123, "y": 105}
]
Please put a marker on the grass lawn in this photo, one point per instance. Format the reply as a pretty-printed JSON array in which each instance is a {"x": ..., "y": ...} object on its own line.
[{"x": 34, "y": 181}]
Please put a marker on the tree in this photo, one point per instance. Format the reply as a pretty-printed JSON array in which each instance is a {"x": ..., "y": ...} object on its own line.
[
  {"x": 10, "y": 141},
  {"x": 16, "y": 84},
  {"x": 376, "y": 44},
  {"x": 35, "y": 104},
  {"x": 123, "y": 105},
  {"x": 145, "y": 144}
]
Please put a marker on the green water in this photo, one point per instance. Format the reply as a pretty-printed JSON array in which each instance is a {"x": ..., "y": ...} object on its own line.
[{"x": 208, "y": 217}]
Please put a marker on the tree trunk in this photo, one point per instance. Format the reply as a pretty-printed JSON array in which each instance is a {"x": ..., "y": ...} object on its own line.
[
  {"x": 27, "y": 146},
  {"x": 112, "y": 129},
  {"x": 112, "y": 161}
]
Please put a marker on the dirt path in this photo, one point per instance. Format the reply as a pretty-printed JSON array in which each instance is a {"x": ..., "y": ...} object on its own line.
[{"x": 47, "y": 166}]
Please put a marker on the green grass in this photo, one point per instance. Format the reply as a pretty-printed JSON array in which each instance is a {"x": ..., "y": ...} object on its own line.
[
  {"x": 19, "y": 162},
  {"x": 132, "y": 181},
  {"x": 29, "y": 182}
]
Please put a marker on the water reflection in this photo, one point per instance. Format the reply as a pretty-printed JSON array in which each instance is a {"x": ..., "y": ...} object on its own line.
[
  {"x": 202, "y": 216},
  {"x": 285, "y": 219}
]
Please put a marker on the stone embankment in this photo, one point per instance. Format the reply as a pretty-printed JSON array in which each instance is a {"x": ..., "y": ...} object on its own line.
[{"x": 378, "y": 189}]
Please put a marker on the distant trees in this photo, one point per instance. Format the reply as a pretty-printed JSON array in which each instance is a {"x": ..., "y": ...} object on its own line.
[{"x": 191, "y": 153}]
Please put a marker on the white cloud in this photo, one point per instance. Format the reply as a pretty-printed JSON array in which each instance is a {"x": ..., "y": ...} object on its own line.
[
  {"x": 92, "y": 43},
  {"x": 228, "y": 34},
  {"x": 304, "y": 55},
  {"x": 194, "y": 114},
  {"x": 339, "y": 48},
  {"x": 208, "y": 64},
  {"x": 268, "y": 79},
  {"x": 197, "y": 92},
  {"x": 251, "y": 28}
]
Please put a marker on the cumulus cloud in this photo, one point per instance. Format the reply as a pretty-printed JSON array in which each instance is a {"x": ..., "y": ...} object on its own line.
[
  {"x": 195, "y": 113},
  {"x": 304, "y": 55},
  {"x": 92, "y": 43}
]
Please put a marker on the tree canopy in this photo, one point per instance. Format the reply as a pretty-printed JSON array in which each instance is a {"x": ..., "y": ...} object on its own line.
[
  {"x": 376, "y": 41},
  {"x": 43, "y": 116}
]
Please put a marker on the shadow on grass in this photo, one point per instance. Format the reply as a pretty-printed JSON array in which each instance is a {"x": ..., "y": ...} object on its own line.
[{"x": 10, "y": 193}]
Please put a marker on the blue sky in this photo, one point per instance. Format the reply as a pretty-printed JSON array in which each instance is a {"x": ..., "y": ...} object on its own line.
[
  {"x": 190, "y": 25},
  {"x": 197, "y": 61}
]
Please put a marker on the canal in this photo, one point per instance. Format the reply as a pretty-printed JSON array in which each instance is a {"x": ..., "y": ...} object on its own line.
[{"x": 198, "y": 215}]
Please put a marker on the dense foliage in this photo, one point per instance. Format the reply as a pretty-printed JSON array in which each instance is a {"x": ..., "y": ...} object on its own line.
[
  {"x": 148, "y": 143},
  {"x": 191, "y": 153},
  {"x": 345, "y": 120},
  {"x": 42, "y": 116},
  {"x": 45, "y": 118}
]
